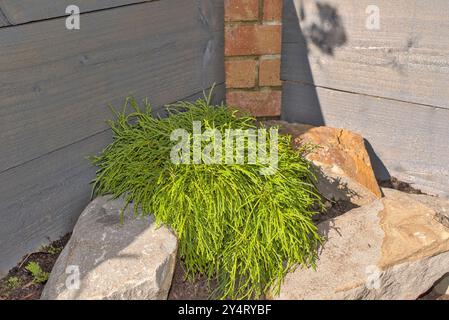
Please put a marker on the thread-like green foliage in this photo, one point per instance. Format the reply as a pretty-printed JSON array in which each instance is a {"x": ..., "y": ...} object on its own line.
[{"x": 234, "y": 225}]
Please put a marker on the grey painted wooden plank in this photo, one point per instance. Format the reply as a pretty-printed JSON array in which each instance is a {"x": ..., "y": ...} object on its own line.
[
  {"x": 410, "y": 140},
  {"x": 407, "y": 59},
  {"x": 55, "y": 84},
  {"x": 22, "y": 11},
  {"x": 43, "y": 198}
]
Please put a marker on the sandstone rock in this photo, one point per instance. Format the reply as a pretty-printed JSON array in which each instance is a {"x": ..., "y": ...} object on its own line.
[
  {"x": 393, "y": 248},
  {"x": 442, "y": 286},
  {"x": 133, "y": 260},
  {"x": 343, "y": 165}
]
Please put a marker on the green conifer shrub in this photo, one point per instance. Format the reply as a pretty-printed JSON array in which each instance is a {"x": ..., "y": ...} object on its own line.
[{"x": 243, "y": 229}]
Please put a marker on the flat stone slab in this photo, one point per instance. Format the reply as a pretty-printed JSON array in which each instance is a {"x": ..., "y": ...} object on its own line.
[
  {"x": 133, "y": 260},
  {"x": 393, "y": 248}
]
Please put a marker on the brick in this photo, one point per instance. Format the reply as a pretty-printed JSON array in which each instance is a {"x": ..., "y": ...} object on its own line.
[
  {"x": 241, "y": 40},
  {"x": 269, "y": 72},
  {"x": 272, "y": 10},
  {"x": 264, "y": 103},
  {"x": 241, "y": 73},
  {"x": 241, "y": 10}
]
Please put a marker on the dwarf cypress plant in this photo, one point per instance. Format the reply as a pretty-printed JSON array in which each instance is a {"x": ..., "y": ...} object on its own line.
[{"x": 243, "y": 229}]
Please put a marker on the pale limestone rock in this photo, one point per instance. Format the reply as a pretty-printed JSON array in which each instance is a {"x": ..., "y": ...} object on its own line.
[
  {"x": 393, "y": 248},
  {"x": 133, "y": 260}
]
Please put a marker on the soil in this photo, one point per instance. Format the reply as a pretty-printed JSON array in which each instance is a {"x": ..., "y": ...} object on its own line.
[
  {"x": 24, "y": 288},
  {"x": 333, "y": 210},
  {"x": 182, "y": 289},
  {"x": 394, "y": 183}
]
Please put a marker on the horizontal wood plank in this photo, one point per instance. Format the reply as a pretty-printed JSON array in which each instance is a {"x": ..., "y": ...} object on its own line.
[
  {"x": 411, "y": 140},
  {"x": 56, "y": 85},
  {"x": 407, "y": 59},
  {"x": 23, "y": 11}
]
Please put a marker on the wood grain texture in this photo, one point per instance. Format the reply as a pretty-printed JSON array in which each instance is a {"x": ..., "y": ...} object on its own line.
[
  {"x": 23, "y": 11},
  {"x": 43, "y": 198},
  {"x": 411, "y": 140},
  {"x": 56, "y": 85},
  {"x": 407, "y": 59}
]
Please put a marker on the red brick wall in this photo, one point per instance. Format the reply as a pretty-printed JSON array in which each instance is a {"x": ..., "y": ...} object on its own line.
[{"x": 252, "y": 55}]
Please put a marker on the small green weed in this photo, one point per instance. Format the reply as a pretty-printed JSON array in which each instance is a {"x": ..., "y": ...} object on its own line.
[
  {"x": 52, "y": 249},
  {"x": 13, "y": 283},
  {"x": 39, "y": 276}
]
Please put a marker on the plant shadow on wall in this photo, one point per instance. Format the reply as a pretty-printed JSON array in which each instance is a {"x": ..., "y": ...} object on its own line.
[
  {"x": 308, "y": 26},
  {"x": 312, "y": 26},
  {"x": 324, "y": 28}
]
